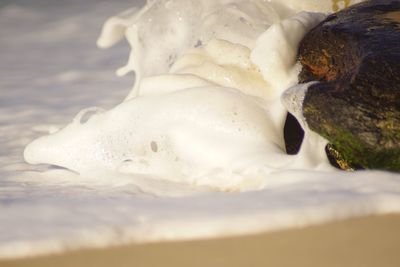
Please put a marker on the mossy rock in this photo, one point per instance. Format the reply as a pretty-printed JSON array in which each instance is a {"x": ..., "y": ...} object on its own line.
[{"x": 355, "y": 54}]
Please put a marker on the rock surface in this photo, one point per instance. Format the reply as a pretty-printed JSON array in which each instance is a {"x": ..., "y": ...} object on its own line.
[{"x": 355, "y": 54}]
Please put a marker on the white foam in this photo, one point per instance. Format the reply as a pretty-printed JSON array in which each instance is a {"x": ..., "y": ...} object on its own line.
[{"x": 217, "y": 121}]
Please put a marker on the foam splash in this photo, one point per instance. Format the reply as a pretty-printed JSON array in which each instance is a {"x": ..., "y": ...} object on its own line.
[{"x": 206, "y": 108}]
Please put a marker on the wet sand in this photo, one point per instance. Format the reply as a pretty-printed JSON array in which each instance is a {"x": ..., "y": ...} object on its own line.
[{"x": 363, "y": 242}]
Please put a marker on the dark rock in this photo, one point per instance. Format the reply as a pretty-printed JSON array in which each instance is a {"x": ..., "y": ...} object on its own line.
[
  {"x": 355, "y": 54},
  {"x": 293, "y": 134}
]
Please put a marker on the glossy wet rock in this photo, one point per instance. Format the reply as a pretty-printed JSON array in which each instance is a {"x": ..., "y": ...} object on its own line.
[{"x": 355, "y": 54}]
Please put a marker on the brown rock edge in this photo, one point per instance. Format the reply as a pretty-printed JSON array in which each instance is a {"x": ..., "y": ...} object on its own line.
[{"x": 363, "y": 242}]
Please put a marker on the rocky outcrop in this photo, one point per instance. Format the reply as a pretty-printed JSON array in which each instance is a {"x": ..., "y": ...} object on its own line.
[{"x": 355, "y": 54}]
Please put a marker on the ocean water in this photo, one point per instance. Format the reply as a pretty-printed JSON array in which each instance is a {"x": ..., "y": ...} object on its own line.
[{"x": 50, "y": 69}]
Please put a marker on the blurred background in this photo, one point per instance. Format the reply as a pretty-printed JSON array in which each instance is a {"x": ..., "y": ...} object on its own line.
[{"x": 48, "y": 54}]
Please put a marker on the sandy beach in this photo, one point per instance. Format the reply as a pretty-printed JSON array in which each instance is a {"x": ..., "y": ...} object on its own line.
[{"x": 363, "y": 242}]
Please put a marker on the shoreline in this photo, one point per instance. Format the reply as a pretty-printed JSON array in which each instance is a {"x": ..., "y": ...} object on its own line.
[{"x": 368, "y": 241}]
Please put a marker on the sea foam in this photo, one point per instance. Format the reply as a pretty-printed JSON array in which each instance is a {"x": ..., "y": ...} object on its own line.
[{"x": 206, "y": 106}]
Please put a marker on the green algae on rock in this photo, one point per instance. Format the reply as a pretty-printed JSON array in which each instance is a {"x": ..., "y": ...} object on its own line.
[{"x": 355, "y": 56}]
